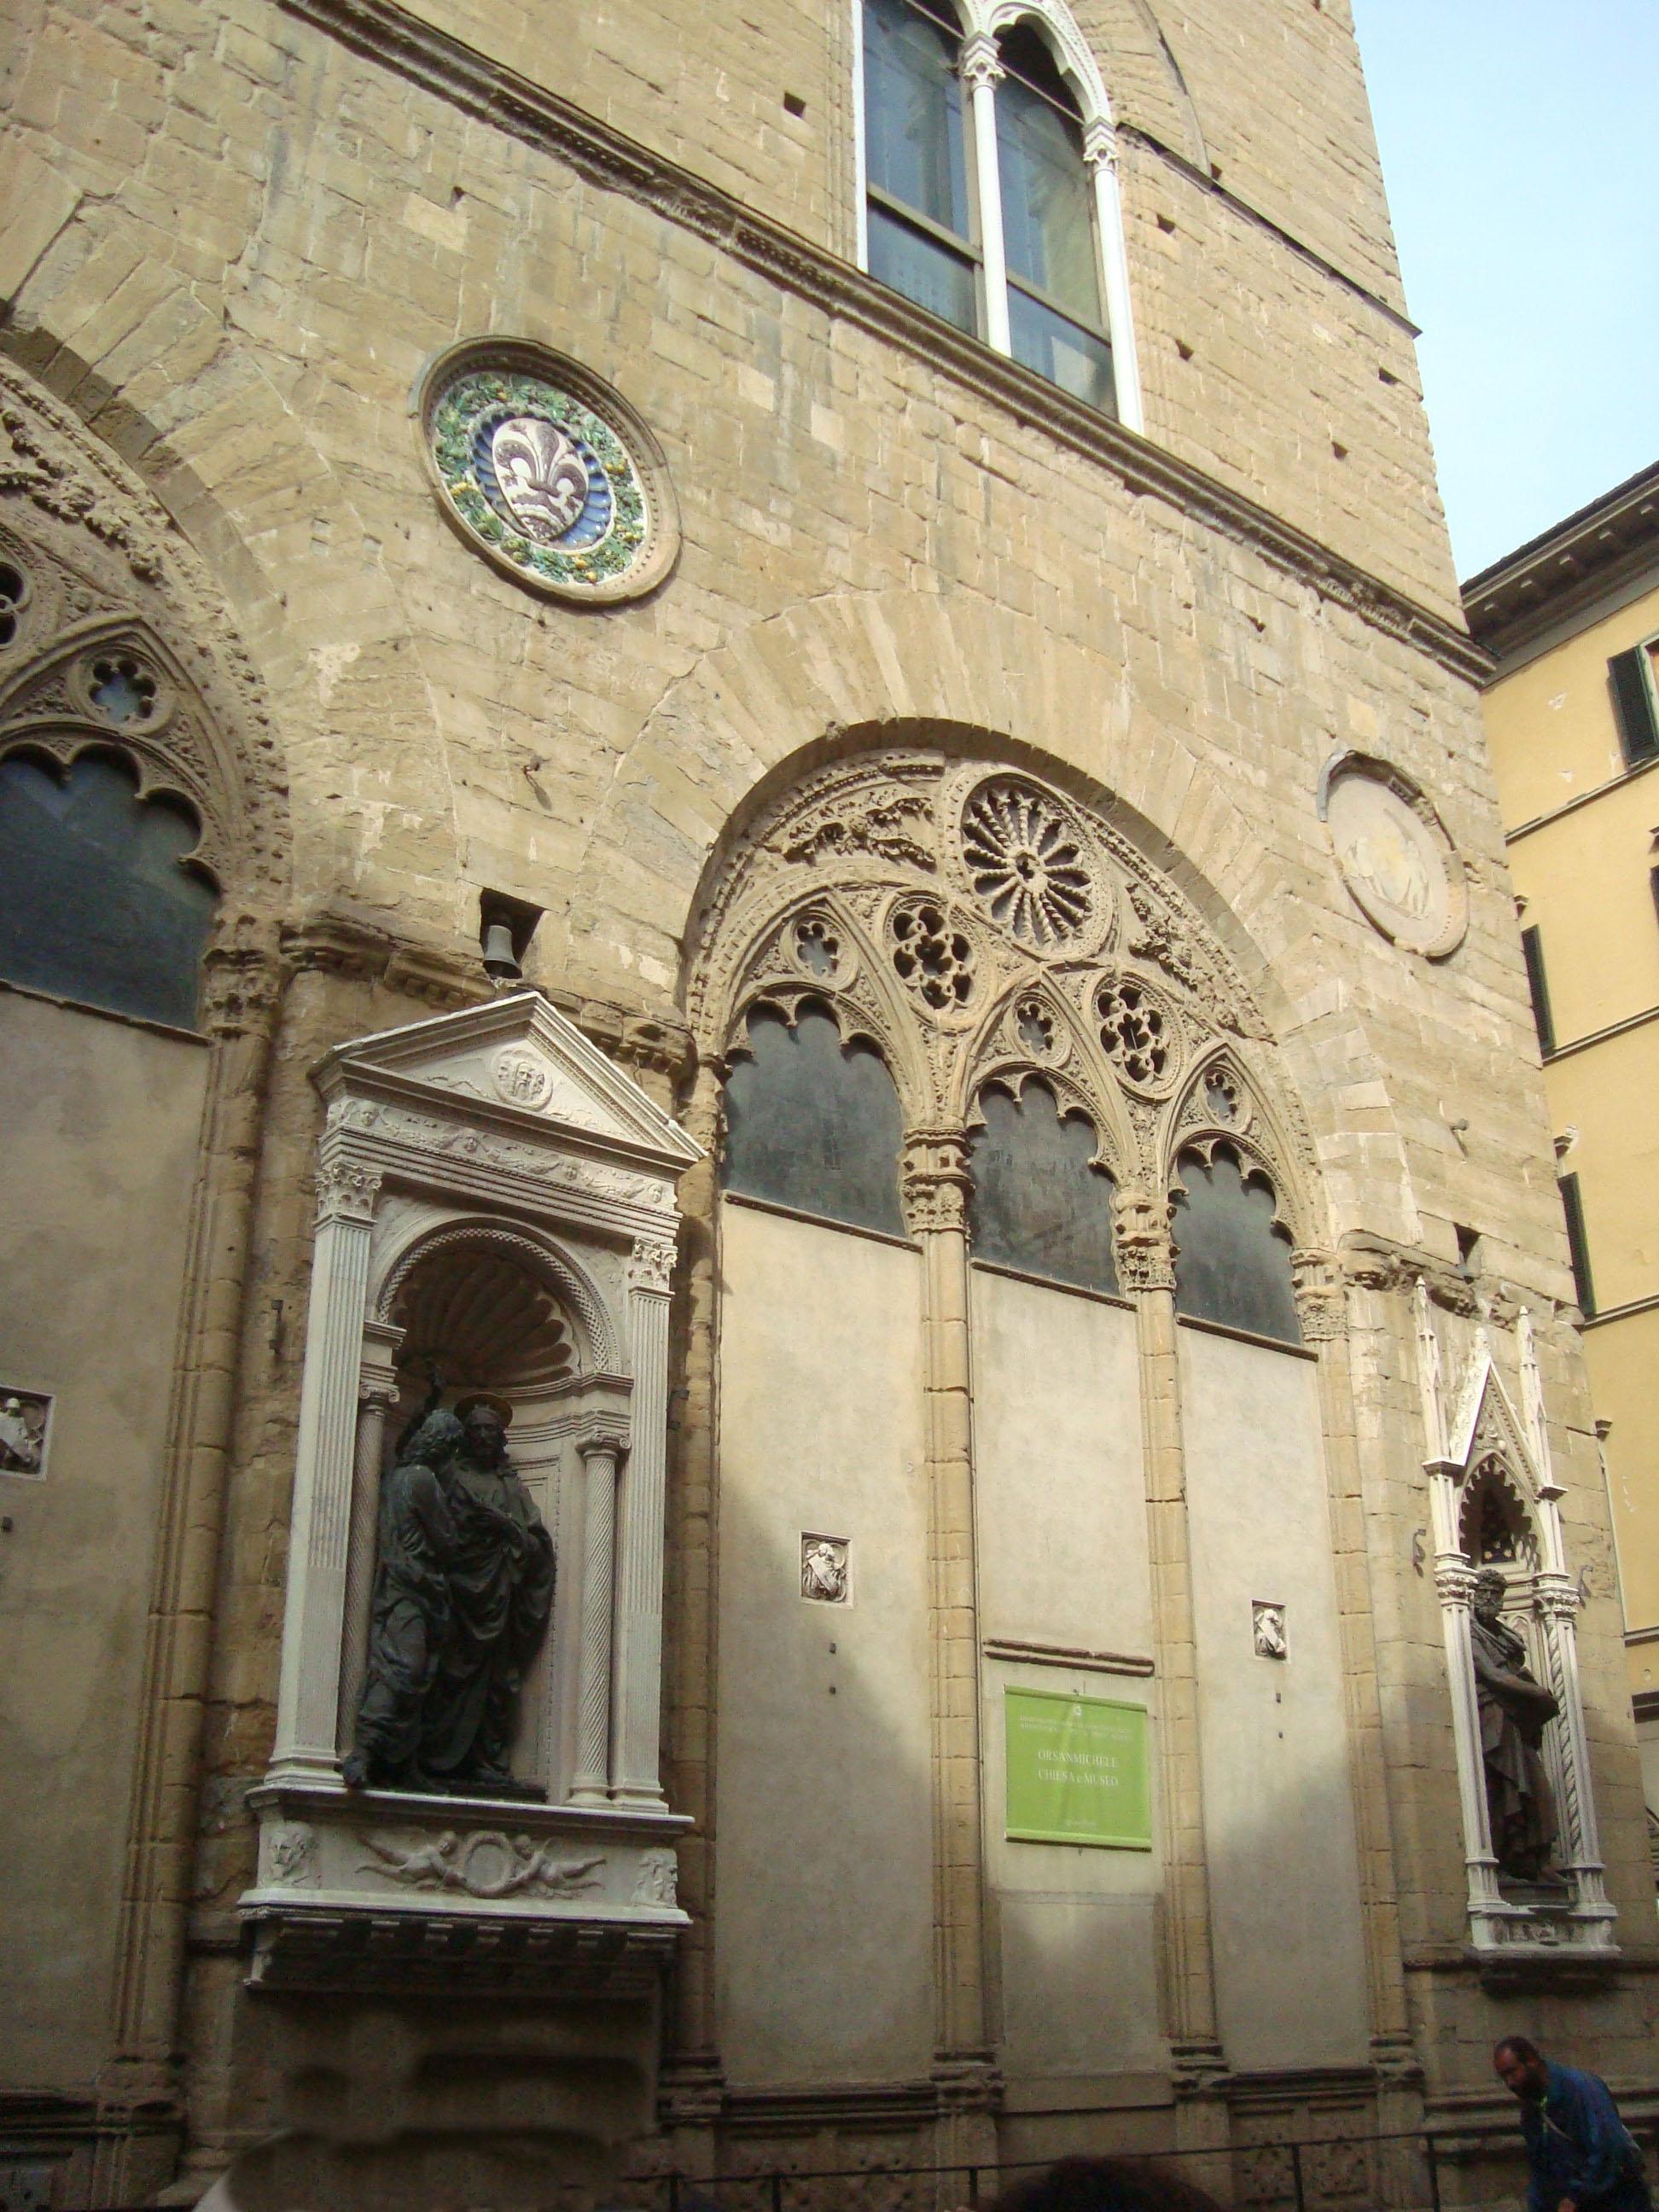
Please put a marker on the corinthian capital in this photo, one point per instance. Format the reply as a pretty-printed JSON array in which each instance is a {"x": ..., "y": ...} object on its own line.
[
  {"x": 1145, "y": 1250},
  {"x": 347, "y": 1191},
  {"x": 934, "y": 1182},
  {"x": 651, "y": 1265}
]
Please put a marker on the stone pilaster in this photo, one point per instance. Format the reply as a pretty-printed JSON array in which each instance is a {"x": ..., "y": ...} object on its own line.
[
  {"x": 601, "y": 1450},
  {"x": 635, "y": 1776}
]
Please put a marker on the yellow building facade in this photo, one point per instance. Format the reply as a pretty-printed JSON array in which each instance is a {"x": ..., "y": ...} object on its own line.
[{"x": 1572, "y": 718}]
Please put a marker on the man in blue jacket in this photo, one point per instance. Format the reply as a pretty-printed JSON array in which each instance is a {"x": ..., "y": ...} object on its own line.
[{"x": 1582, "y": 2154}]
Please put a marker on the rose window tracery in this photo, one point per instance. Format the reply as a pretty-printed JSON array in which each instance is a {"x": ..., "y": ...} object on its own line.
[
  {"x": 1034, "y": 1025},
  {"x": 1221, "y": 1095},
  {"x": 1137, "y": 1036},
  {"x": 122, "y": 688},
  {"x": 931, "y": 956},
  {"x": 1025, "y": 859}
]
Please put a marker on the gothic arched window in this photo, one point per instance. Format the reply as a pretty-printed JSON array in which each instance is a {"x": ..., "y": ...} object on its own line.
[
  {"x": 1232, "y": 1254},
  {"x": 1039, "y": 1204},
  {"x": 102, "y": 901},
  {"x": 984, "y": 202},
  {"x": 813, "y": 1123}
]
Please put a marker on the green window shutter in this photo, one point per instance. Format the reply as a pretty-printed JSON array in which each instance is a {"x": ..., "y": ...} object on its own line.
[
  {"x": 1577, "y": 1245},
  {"x": 1532, "y": 946},
  {"x": 1634, "y": 703}
]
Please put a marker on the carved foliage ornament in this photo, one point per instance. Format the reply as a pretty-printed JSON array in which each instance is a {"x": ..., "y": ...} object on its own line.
[{"x": 548, "y": 472}]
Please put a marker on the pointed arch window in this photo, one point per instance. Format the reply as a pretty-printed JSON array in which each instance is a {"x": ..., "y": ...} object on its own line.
[{"x": 990, "y": 197}]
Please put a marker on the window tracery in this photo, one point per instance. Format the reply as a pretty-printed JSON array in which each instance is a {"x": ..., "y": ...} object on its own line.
[{"x": 884, "y": 896}]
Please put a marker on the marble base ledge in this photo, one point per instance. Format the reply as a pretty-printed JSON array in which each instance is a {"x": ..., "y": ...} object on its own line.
[{"x": 376, "y": 1891}]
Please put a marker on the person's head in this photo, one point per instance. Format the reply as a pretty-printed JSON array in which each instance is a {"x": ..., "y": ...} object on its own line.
[
  {"x": 1519, "y": 2065},
  {"x": 486, "y": 1431},
  {"x": 1490, "y": 1591},
  {"x": 1104, "y": 2185},
  {"x": 438, "y": 1438}
]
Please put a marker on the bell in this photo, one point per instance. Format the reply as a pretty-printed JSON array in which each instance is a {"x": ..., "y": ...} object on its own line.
[{"x": 500, "y": 960}]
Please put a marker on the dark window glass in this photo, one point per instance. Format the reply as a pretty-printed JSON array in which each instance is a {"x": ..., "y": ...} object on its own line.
[
  {"x": 913, "y": 113},
  {"x": 1037, "y": 1204},
  {"x": 1048, "y": 200},
  {"x": 1232, "y": 1261},
  {"x": 1577, "y": 1244},
  {"x": 94, "y": 901},
  {"x": 923, "y": 269},
  {"x": 1076, "y": 360},
  {"x": 814, "y": 1124},
  {"x": 1532, "y": 946},
  {"x": 1631, "y": 675}
]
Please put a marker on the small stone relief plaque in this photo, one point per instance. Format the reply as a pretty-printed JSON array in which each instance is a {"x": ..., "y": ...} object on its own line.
[
  {"x": 826, "y": 1569},
  {"x": 25, "y": 1431},
  {"x": 522, "y": 1076},
  {"x": 656, "y": 1881},
  {"x": 1402, "y": 869},
  {"x": 1268, "y": 1622},
  {"x": 548, "y": 472}
]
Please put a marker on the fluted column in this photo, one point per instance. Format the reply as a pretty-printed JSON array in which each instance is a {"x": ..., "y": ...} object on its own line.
[
  {"x": 634, "y": 1771},
  {"x": 1145, "y": 1269},
  {"x": 1100, "y": 152},
  {"x": 377, "y": 1392},
  {"x": 601, "y": 1449},
  {"x": 936, "y": 1186},
  {"x": 313, "y": 1621},
  {"x": 981, "y": 72}
]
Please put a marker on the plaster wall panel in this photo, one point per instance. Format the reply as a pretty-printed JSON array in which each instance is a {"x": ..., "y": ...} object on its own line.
[
  {"x": 824, "y": 1752},
  {"x": 1060, "y": 1499},
  {"x": 1062, "y": 1560},
  {"x": 1278, "y": 1810},
  {"x": 100, "y": 1119}
]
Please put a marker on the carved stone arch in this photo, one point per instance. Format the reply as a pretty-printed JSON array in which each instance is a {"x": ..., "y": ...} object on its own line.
[
  {"x": 1264, "y": 1133},
  {"x": 1006, "y": 1053},
  {"x": 1057, "y": 26},
  {"x": 861, "y": 997},
  {"x": 1254, "y": 1163},
  {"x": 51, "y": 705},
  {"x": 568, "y": 1281},
  {"x": 1496, "y": 1490},
  {"x": 105, "y": 563}
]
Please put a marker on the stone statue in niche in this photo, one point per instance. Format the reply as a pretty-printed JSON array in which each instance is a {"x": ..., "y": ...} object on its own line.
[
  {"x": 462, "y": 1595},
  {"x": 1514, "y": 1709}
]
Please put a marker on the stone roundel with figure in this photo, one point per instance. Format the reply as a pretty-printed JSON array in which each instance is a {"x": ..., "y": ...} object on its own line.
[
  {"x": 549, "y": 473},
  {"x": 1399, "y": 865}
]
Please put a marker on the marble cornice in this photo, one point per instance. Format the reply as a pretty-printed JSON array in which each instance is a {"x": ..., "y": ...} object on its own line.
[{"x": 385, "y": 34}]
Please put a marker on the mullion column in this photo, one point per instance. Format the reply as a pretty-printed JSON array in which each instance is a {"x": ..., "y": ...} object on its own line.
[
  {"x": 981, "y": 72},
  {"x": 936, "y": 1185},
  {"x": 1146, "y": 1270}
]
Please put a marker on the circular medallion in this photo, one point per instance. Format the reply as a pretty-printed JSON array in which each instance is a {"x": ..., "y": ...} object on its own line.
[
  {"x": 547, "y": 472},
  {"x": 1401, "y": 868},
  {"x": 522, "y": 1076}
]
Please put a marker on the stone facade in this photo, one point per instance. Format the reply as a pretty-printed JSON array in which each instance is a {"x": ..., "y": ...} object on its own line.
[{"x": 244, "y": 236}]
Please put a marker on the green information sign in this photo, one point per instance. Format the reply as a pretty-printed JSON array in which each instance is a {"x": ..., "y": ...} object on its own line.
[{"x": 1077, "y": 1770}]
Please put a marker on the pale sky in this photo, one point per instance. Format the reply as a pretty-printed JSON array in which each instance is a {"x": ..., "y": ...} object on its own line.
[{"x": 1520, "y": 145}]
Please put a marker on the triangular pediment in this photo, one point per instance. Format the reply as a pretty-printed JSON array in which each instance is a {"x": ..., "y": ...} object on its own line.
[
  {"x": 1485, "y": 1420},
  {"x": 518, "y": 1059}
]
